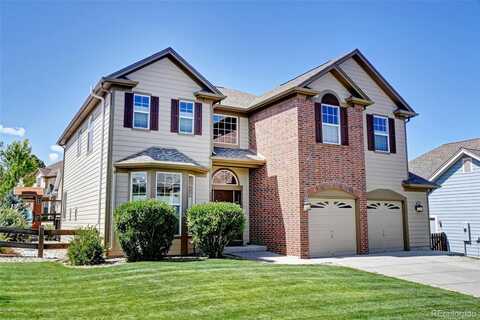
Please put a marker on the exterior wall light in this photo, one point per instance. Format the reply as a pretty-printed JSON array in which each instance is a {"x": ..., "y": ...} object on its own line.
[
  {"x": 306, "y": 205},
  {"x": 418, "y": 207}
]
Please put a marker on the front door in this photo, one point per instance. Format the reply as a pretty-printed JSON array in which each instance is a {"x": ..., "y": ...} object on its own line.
[
  {"x": 223, "y": 195},
  {"x": 234, "y": 196}
]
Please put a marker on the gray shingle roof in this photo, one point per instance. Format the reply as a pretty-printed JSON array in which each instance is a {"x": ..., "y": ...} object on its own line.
[
  {"x": 236, "y": 98},
  {"x": 426, "y": 164},
  {"x": 52, "y": 169},
  {"x": 414, "y": 179},
  {"x": 238, "y": 154},
  {"x": 293, "y": 82},
  {"x": 159, "y": 154}
]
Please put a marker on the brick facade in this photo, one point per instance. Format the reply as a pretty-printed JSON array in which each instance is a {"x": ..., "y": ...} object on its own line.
[{"x": 297, "y": 166}]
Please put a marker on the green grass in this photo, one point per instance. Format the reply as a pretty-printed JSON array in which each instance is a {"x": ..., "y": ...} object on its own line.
[{"x": 215, "y": 289}]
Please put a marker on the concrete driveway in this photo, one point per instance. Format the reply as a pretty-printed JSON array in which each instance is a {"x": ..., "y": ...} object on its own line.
[{"x": 432, "y": 268}]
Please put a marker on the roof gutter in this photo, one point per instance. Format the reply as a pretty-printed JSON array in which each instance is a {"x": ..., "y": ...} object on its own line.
[{"x": 88, "y": 105}]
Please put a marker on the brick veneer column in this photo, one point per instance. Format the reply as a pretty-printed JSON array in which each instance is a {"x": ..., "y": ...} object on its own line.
[{"x": 333, "y": 166}]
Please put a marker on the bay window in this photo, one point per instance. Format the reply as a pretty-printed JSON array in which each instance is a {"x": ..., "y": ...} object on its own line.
[
  {"x": 138, "y": 186},
  {"x": 169, "y": 190}
]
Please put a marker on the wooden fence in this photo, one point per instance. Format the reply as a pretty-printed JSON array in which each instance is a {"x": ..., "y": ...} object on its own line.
[
  {"x": 40, "y": 233},
  {"x": 439, "y": 242}
]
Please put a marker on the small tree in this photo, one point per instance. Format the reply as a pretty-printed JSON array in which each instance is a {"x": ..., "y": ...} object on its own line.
[
  {"x": 145, "y": 228},
  {"x": 11, "y": 218},
  {"x": 213, "y": 225},
  {"x": 18, "y": 164}
]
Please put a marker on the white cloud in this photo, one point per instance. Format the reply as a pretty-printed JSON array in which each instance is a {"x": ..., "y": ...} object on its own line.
[
  {"x": 56, "y": 148},
  {"x": 19, "y": 132},
  {"x": 53, "y": 157}
]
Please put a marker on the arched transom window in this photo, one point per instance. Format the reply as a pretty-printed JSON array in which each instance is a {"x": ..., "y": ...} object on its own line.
[{"x": 225, "y": 177}]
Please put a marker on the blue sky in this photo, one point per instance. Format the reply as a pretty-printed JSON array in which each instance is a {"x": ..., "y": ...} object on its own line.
[{"x": 52, "y": 52}]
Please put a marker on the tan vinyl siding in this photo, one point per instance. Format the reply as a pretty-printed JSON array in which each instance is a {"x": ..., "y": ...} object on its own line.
[
  {"x": 165, "y": 80},
  {"x": 82, "y": 175},
  {"x": 383, "y": 171},
  {"x": 387, "y": 171},
  {"x": 419, "y": 226},
  {"x": 328, "y": 83}
]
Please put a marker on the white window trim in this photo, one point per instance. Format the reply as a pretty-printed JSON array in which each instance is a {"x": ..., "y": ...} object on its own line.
[
  {"x": 144, "y": 112},
  {"x": 331, "y": 124},
  {"x": 237, "y": 135},
  {"x": 385, "y": 134},
  {"x": 193, "y": 189},
  {"x": 180, "y": 117},
  {"x": 131, "y": 183},
  {"x": 90, "y": 134},
  {"x": 79, "y": 143},
  {"x": 181, "y": 195}
]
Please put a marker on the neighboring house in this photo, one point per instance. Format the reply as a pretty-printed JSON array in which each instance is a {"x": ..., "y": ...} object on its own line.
[
  {"x": 319, "y": 164},
  {"x": 455, "y": 207},
  {"x": 50, "y": 180}
]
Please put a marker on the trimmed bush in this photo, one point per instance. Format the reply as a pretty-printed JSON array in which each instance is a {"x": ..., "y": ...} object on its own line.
[
  {"x": 86, "y": 248},
  {"x": 146, "y": 229},
  {"x": 213, "y": 225}
]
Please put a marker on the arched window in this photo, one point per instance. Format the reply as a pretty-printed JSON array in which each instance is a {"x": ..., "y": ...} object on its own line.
[
  {"x": 225, "y": 177},
  {"x": 330, "y": 121},
  {"x": 330, "y": 99}
]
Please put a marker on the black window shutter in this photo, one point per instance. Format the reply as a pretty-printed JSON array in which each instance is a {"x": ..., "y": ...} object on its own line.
[
  {"x": 198, "y": 118},
  {"x": 154, "y": 113},
  {"x": 344, "y": 125},
  {"x": 128, "y": 110},
  {"x": 370, "y": 134},
  {"x": 391, "y": 132},
  {"x": 318, "y": 122},
  {"x": 174, "y": 116}
]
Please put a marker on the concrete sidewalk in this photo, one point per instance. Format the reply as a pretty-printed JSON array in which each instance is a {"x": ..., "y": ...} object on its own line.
[{"x": 456, "y": 273}]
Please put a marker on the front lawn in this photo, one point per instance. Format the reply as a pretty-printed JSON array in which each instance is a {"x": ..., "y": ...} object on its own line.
[{"x": 216, "y": 289}]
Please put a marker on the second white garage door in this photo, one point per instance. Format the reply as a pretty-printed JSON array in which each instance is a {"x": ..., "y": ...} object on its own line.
[
  {"x": 385, "y": 226},
  {"x": 331, "y": 227}
]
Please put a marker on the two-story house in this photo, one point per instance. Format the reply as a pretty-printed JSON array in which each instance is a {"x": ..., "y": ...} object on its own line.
[
  {"x": 319, "y": 163},
  {"x": 50, "y": 180}
]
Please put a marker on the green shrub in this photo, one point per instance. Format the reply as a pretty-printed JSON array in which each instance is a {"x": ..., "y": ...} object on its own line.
[
  {"x": 12, "y": 218},
  {"x": 213, "y": 225},
  {"x": 86, "y": 248},
  {"x": 146, "y": 229}
]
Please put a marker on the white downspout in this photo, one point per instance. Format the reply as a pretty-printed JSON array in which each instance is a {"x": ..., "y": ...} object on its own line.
[{"x": 102, "y": 100}]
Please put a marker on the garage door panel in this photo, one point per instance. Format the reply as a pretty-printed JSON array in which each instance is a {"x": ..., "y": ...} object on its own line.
[
  {"x": 332, "y": 227},
  {"x": 385, "y": 226}
]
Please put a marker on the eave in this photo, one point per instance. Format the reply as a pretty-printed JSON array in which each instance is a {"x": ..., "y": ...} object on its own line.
[
  {"x": 284, "y": 94},
  {"x": 241, "y": 163},
  {"x": 160, "y": 165},
  {"x": 90, "y": 103},
  {"x": 209, "y": 96}
]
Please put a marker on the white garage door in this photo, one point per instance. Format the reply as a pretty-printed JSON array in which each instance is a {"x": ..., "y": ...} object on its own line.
[
  {"x": 332, "y": 227},
  {"x": 385, "y": 226}
]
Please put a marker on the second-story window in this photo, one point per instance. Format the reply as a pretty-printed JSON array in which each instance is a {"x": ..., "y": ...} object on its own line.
[
  {"x": 225, "y": 129},
  {"x": 381, "y": 135},
  {"x": 331, "y": 124},
  {"x": 90, "y": 134},
  {"x": 141, "y": 111},
  {"x": 186, "y": 117}
]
